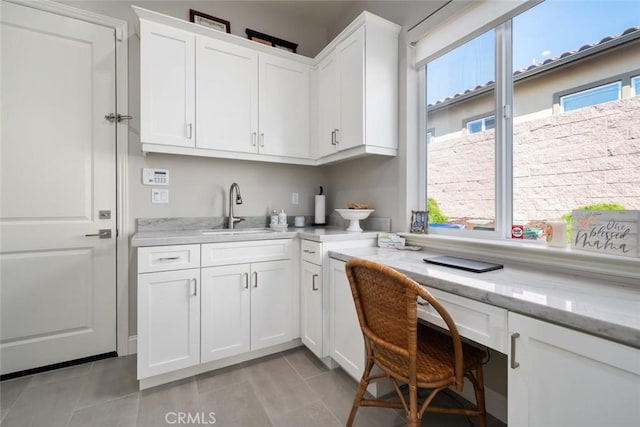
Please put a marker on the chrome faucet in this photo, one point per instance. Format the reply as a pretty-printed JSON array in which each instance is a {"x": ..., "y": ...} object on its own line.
[{"x": 238, "y": 201}]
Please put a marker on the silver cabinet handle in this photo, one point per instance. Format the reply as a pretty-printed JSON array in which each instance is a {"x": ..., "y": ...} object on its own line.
[
  {"x": 313, "y": 282},
  {"x": 169, "y": 258},
  {"x": 333, "y": 137},
  {"x": 335, "y": 131},
  {"x": 262, "y": 140},
  {"x": 514, "y": 337},
  {"x": 189, "y": 130},
  {"x": 255, "y": 279},
  {"x": 254, "y": 135},
  {"x": 246, "y": 280},
  {"x": 195, "y": 287},
  {"x": 307, "y": 251},
  {"x": 104, "y": 233}
]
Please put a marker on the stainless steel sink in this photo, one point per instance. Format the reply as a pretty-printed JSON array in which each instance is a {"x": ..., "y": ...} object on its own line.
[{"x": 228, "y": 231}]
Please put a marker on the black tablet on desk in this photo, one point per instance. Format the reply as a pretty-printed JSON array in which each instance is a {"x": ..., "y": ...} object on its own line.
[{"x": 464, "y": 263}]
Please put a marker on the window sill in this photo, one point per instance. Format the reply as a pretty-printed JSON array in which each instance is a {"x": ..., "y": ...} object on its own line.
[{"x": 559, "y": 259}]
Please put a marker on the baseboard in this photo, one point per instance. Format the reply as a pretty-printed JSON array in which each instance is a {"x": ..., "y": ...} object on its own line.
[{"x": 133, "y": 344}]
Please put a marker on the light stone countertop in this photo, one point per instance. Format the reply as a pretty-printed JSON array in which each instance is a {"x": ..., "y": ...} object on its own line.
[
  {"x": 184, "y": 237},
  {"x": 593, "y": 304}
]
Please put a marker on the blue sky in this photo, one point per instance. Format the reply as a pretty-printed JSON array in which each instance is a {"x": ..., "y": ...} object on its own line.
[{"x": 544, "y": 31}]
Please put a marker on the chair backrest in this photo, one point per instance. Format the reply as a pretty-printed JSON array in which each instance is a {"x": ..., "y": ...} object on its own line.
[{"x": 386, "y": 303}]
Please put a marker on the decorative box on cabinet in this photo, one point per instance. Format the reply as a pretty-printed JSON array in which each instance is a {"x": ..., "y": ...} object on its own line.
[{"x": 561, "y": 377}]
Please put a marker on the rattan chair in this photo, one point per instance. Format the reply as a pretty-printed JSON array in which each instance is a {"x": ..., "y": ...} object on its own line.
[{"x": 407, "y": 351}]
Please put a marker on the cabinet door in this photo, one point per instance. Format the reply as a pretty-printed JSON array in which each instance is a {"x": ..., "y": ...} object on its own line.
[
  {"x": 168, "y": 321},
  {"x": 271, "y": 303},
  {"x": 283, "y": 107},
  {"x": 568, "y": 378},
  {"x": 167, "y": 68},
  {"x": 350, "y": 63},
  {"x": 346, "y": 344},
  {"x": 225, "y": 311},
  {"x": 226, "y": 96},
  {"x": 328, "y": 107},
  {"x": 311, "y": 307}
]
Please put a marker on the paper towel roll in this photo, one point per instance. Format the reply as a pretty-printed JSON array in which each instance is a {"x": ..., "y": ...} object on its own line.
[{"x": 320, "y": 218}]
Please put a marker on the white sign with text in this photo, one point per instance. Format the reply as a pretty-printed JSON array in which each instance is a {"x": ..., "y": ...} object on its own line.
[{"x": 611, "y": 232}]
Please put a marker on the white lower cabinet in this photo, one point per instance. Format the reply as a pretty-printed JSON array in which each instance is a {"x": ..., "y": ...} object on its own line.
[
  {"x": 168, "y": 321},
  {"x": 345, "y": 336},
  {"x": 245, "y": 307},
  {"x": 241, "y": 300},
  {"x": 311, "y": 307},
  {"x": 561, "y": 377}
]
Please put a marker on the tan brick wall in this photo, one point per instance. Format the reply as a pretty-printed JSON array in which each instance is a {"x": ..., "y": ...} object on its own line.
[{"x": 591, "y": 155}]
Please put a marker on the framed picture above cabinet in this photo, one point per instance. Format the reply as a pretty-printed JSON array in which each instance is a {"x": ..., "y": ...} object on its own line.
[
  {"x": 209, "y": 21},
  {"x": 271, "y": 41}
]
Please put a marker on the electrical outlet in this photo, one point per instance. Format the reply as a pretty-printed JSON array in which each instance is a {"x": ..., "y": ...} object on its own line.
[{"x": 295, "y": 199}]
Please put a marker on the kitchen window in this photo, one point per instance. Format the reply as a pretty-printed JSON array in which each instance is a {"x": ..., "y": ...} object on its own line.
[{"x": 530, "y": 165}]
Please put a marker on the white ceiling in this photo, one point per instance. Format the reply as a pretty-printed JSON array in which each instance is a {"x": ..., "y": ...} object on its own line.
[{"x": 323, "y": 13}]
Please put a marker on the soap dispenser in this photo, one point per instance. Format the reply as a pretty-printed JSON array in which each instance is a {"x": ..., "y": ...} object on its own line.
[{"x": 282, "y": 218}]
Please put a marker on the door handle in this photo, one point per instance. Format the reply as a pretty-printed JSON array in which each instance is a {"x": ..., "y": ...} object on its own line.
[
  {"x": 313, "y": 282},
  {"x": 255, "y": 279},
  {"x": 254, "y": 135},
  {"x": 103, "y": 234},
  {"x": 246, "y": 280},
  {"x": 262, "y": 140},
  {"x": 195, "y": 287}
]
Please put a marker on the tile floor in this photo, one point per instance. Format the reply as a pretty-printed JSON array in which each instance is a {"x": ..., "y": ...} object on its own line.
[{"x": 292, "y": 388}]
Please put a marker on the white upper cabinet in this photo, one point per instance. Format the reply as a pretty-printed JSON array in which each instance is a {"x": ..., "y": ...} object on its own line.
[
  {"x": 208, "y": 93},
  {"x": 166, "y": 85},
  {"x": 226, "y": 96},
  {"x": 357, "y": 92},
  {"x": 351, "y": 75},
  {"x": 328, "y": 110},
  {"x": 284, "y": 107}
]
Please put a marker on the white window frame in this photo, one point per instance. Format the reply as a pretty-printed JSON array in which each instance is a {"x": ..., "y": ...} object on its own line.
[
  {"x": 466, "y": 242},
  {"x": 482, "y": 121},
  {"x": 564, "y": 98}
]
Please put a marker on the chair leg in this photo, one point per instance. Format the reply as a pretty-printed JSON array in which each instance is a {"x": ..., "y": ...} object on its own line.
[
  {"x": 362, "y": 388},
  {"x": 478, "y": 387},
  {"x": 413, "y": 418}
]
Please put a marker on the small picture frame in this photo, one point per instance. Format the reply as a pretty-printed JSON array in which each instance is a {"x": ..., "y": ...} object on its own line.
[
  {"x": 209, "y": 21},
  {"x": 271, "y": 41},
  {"x": 419, "y": 220}
]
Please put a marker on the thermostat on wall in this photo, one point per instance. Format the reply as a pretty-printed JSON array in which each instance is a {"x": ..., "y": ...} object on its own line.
[{"x": 155, "y": 176}]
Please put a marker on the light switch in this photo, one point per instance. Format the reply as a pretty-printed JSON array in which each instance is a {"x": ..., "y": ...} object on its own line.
[
  {"x": 295, "y": 199},
  {"x": 159, "y": 195}
]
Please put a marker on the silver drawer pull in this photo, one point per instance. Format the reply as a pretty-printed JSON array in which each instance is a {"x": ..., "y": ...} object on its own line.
[
  {"x": 423, "y": 303},
  {"x": 169, "y": 258},
  {"x": 514, "y": 337},
  {"x": 306, "y": 251}
]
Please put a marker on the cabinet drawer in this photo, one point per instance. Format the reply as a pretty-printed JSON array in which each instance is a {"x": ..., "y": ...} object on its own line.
[
  {"x": 163, "y": 258},
  {"x": 479, "y": 322},
  {"x": 242, "y": 252},
  {"x": 311, "y": 251}
]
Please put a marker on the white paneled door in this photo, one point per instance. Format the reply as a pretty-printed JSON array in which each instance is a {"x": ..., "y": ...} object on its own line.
[{"x": 58, "y": 186}]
